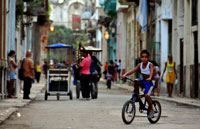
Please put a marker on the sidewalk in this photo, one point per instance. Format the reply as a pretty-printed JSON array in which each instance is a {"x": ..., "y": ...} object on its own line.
[
  {"x": 176, "y": 100},
  {"x": 10, "y": 106}
]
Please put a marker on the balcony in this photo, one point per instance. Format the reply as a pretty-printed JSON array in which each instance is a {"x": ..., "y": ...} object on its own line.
[
  {"x": 110, "y": 7},
  {"x": 129, "y": 2}
]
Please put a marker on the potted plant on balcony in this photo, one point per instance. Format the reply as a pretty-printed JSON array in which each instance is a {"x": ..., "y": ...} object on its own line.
[{"x": 19, "y": 11}]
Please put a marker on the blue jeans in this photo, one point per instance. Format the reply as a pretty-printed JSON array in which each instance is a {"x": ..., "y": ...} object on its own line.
[{"x": 12, "y": 75}]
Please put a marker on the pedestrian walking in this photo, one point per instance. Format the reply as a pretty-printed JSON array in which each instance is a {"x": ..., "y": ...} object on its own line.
[
  {"x": 170, "y": 75},
  {"x": 45, "y": 68},
  {"x": 109, "y": 80},
  {"x": 109, "y": 75},
  {"x": 21, "y": 75},
  {"x": 85, "y": 74},
  {"x": 28, "y": 74},
  {"x": 12, "y": 65},
  {"x": 37, "y": 72},
  {"x": 115, "y": 71},
  {"x": 105, "y": 70},
  {"x": 119, "y": 69}
]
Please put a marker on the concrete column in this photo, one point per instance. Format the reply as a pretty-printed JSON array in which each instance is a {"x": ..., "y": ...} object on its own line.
[
  {"x": 124, "y": 43},
  {"x": 104, "y": 47},
  {"x": 175, "y": 31},
  {"x": 98, "y": 42},
  {"x": 187, "y": 46},
  {"x": 164, "y": 49},
  {"x": 164, "y": 43},
  {"x": 119, "y": 34}
]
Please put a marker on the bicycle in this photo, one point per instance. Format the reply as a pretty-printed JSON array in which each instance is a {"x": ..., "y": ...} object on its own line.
[
  {"x": 129, "y": 108},
  {"x": 94, "y": 86}
]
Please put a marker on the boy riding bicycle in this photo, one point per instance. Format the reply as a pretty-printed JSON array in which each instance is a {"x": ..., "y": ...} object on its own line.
[{"x": 146, "y": 69}]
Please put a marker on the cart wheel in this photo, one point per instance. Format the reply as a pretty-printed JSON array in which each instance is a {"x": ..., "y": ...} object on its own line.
[
  {"x": 70, "y": 95},
  {"x": 58, "y": 97},
  {"x": 45, "y": 95}
]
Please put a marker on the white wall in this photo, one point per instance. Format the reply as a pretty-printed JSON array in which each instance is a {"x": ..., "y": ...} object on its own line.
[
  {"x": 10, "y": 39},
  {"x": 164, "y": 46},
  {"x": 166, "y": 9},
  {"x": 121, "y": 38}
]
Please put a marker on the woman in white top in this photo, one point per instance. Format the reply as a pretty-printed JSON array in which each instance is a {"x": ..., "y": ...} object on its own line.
[
  {"x": 119, "y": 69},
  {"x": 12, "y": 66}
]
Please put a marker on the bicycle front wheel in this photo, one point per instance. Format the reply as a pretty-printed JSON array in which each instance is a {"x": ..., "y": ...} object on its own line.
[
  {"x": 128, "y": 112},
  {"x": 157, "y": 112}
]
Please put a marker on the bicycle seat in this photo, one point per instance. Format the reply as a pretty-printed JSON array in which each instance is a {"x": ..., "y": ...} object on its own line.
[{"x": 136, "y": 80}]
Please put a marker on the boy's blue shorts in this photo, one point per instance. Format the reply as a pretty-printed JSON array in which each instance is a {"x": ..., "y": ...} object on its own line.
[{"x": 147, "y": 85}]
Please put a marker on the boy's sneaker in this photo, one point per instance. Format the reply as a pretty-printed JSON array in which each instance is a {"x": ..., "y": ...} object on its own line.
[{"x": 150, "y": 115}]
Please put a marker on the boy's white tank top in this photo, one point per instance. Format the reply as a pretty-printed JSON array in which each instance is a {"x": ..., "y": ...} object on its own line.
[{"x": 147, "y": 70}]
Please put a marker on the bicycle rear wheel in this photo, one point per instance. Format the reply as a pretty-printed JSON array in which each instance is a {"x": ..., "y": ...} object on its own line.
[
  {"x": 78, "y": 88},
  {"x": 128, "y": 112},
  {"x": 157, "y": 112},
  {"x": 94, "y": 90}
]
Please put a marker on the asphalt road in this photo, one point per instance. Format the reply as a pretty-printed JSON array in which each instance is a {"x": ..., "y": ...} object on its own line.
[{"x": 102, "y": 113}]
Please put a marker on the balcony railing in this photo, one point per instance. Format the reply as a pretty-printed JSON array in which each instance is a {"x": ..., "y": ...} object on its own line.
[{"x": 129, "y": 2}]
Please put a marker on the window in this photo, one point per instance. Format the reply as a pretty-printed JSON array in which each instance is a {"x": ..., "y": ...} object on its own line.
[
  {"x": 170, "y": 37},
  {"x": 194, "y": 12}
]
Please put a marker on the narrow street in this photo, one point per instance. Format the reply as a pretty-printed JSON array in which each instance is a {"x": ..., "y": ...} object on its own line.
[{"x": 103, "y": 113}]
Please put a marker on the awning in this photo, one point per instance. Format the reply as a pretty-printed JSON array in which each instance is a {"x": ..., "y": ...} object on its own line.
[
  {"x": 93, "y": 49},
  {"x": 59, "y": 45}
]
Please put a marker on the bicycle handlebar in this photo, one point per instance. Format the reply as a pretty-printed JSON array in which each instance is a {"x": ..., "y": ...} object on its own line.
[{"x": 135, "y": 80}]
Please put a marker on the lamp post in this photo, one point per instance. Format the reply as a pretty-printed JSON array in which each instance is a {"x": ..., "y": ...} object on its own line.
[
  {"x": 51, "y": 28},
  {"x": 106, "y": 35}
]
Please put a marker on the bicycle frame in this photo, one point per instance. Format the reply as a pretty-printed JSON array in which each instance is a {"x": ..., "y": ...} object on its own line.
[{"x": 142, "y": 106}]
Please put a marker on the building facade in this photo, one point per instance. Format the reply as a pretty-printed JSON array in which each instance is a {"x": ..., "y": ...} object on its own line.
[
  {"x": 16, "y": 27},
  {"x": 68, "y": 13},
  {"x": 186, "y": 46},
  {"x": 3, "y": 50}
]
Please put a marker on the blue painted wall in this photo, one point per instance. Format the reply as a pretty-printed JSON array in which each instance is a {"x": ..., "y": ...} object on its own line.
[{"x": 112, "y": 47}]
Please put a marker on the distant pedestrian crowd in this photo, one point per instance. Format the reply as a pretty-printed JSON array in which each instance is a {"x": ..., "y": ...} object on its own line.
[{"x": 112, "y": 72}]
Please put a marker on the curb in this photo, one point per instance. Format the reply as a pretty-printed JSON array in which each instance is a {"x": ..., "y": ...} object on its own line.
[
  {"x": 193, "y": 105},
  {"x": 6, "y": 114}
]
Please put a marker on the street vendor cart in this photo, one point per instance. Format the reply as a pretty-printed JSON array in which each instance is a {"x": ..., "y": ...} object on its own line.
[{"x": 59, "y": 58}]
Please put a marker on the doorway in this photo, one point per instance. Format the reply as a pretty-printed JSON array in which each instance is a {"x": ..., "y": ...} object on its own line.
[
  {"x": 196, "y": 84},
  {"x": 181, "y": 75}
]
